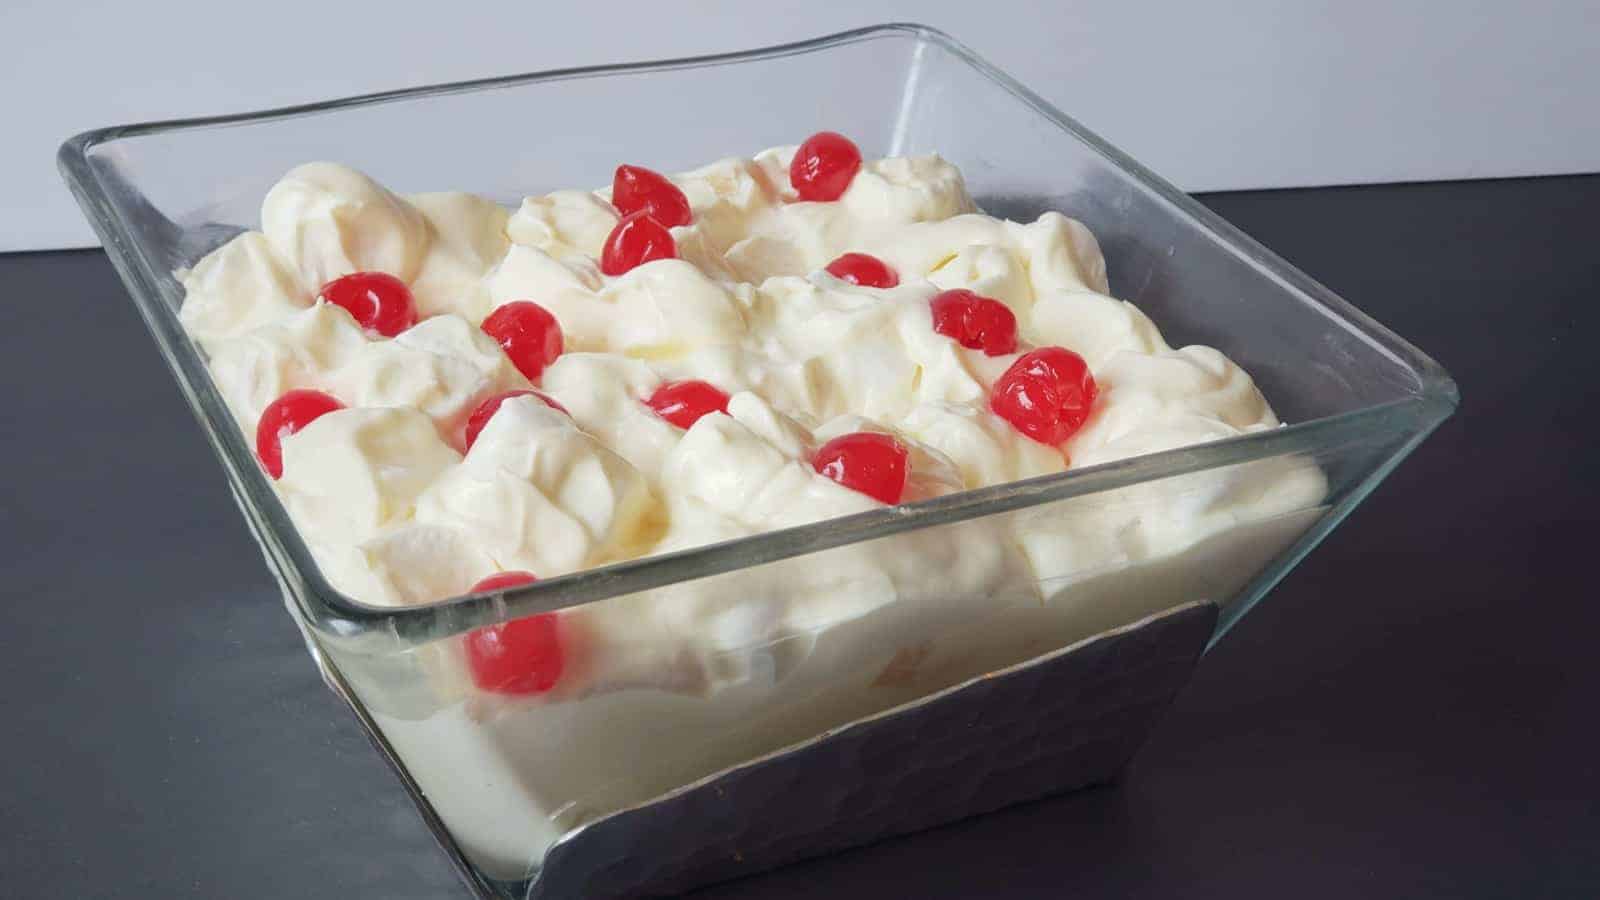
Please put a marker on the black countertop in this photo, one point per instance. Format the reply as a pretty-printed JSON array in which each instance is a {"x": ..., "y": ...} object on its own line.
[{"x": 1411, "y": 713}]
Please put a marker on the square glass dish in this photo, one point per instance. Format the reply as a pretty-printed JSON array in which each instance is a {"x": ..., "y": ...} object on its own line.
[{"x": 504, "y": 782}]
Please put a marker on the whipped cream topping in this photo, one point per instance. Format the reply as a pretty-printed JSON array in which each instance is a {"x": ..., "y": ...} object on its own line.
[
  {"x": 397, "y": 514},
  {"x": 469, "y": 237},
  {"x": 442, "y": 367},
  {"x": 240, "y": 287},
  {"x": 331, "y": 220},
  {"x": 539, "y": 494},
  {"x": 353, "y": 474}
]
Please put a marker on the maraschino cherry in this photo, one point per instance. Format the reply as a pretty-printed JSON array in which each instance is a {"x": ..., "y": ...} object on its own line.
[
  {"x": 865, "y": 461},
  {"x": 637, "y": 189},
  {"x": 683, "y": 402},
  {"x": 523, "y": 656},
  {"x": 283, "y": 417},
  {"x": 378, "y": 301},
  {"x": 863, "y": 270},
  {"x": 636, "y": 240},
  {"x": 824, "y": 166},
  {"x": 977, "y": 323},
  {"x": 530, "y": 335},
  {"x": 1046, "y": 394}
]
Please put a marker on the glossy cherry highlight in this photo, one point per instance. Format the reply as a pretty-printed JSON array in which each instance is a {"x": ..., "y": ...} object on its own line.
[
  {"x": 864, "y": 270},
  {"x": 683, "y": 402},
  {"x": 637, "y": 189},
  {"x": 485, "y": 411},
  {"x": 824, "y": 166},
  {"x": 1046, "y": 394},
  {"x": 378, "y": 301},
  {"x": 283, "y": 417},
  {"x": 975, "y": 322},
  {"x": 874, "y": 464},
  {"x": 528, "y": 333},
  {"x": 523, "y": 656},
  {"x": 636, "y": 240}
]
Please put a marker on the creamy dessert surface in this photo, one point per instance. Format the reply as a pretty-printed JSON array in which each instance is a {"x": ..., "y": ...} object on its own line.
[{"x": 413, "y": 486}]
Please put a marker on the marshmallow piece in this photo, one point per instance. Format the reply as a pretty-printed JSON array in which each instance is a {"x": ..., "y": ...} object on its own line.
[
  {"x": 563, "y": 223},
  {"x": 1156, "y": 401},
  {"x": 983, "y": 447},
  {"x": 605, "y": 395},
  {"x": 469, "y": 239},
  {"x": 567, "y": 288},
  {"x": 354, "y": 472},
  {"x": 1094, "y": 326},
  {"x": 539, "y": 494},
  {"x": 329, "y": 220},
  {"x": 443, "y": 367},
  {"x": 408, "y": 565},
  {"x": 301, "y": 351},
  {"x": 668, "y": 307},
  {"x": 239, "y": 287}
]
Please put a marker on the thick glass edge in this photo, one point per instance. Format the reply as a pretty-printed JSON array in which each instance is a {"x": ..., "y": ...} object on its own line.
[
  {"x": 86, "y": 140},
  {"x": 1254, "y": 592},
  {"x": 330, "y": 611},
  {"x": 1433, "y": 380}
]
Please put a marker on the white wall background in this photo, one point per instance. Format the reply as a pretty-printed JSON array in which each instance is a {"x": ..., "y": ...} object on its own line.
[{"x": 1242, "y": 93}]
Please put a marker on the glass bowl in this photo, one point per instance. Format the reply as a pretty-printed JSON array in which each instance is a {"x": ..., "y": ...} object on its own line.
[{"x": 507, "y": 782}]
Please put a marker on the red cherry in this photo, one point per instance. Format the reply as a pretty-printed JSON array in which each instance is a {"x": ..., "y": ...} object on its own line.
[
  {"x": 530, "y": 335},
  {"x": 1046, "y": 394},
  {"x": 636, "y": 240},
  {"x": 283, "y": 417},
  {"x": 377, "y": 301},
  {"x": 824, "y": 166},
  {"x": 491, "y": 405},
  {"x": 683, "y": 402},
  {"x": 523, "y": 656},
  {"x": 867, "y": 271},
  {"x": 500, "y": 581},
  {"x": 872, "y": 463},
  {"x": 977, "y": 323},
  {"x": 637, "y": 189}
]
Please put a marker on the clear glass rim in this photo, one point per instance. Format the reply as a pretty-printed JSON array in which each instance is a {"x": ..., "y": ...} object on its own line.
[{"x": 1434, "y": 398}]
